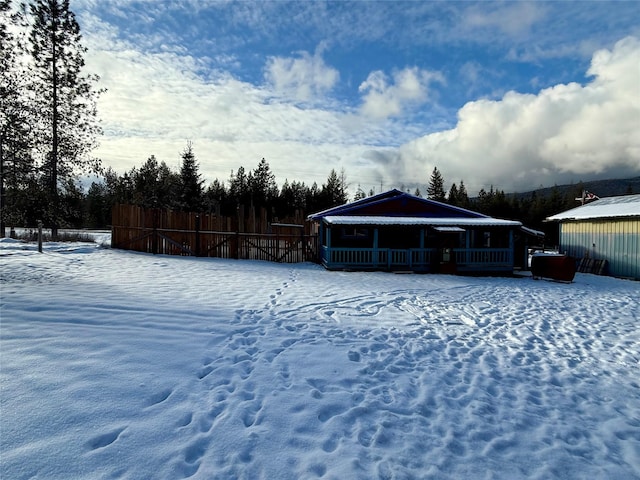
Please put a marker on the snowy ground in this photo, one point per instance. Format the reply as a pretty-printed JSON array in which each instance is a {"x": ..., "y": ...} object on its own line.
[{"x": 132, "y": 366}]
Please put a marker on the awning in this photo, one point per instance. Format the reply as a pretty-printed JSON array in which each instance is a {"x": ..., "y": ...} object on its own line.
[
  {"x": 532, "y": 232},
  {"x": 450, "y": 229}
]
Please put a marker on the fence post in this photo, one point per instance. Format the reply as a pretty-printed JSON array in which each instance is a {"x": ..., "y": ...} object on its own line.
[
  {"x": 154, "y": 238},
  {"x": 237, "y": 245},
  {"x": 40, "y": 236},
  {"x": 197, "y": 235}
]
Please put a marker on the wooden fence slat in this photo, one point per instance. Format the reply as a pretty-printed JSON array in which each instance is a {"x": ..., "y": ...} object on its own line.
[{"x": 187, "y": 233}]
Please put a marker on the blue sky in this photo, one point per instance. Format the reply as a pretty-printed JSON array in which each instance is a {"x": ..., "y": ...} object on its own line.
[{"x": 510, "y": 94}]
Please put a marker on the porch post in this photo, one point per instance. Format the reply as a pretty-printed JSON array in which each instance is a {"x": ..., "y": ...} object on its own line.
[
  {"x": 375, "y": 247},
  {"x": 328, "y": 255},
  {"x": 511, "y": 247}
]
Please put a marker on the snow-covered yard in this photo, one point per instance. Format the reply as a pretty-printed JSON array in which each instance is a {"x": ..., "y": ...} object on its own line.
[{"x": 123, "y": 365}]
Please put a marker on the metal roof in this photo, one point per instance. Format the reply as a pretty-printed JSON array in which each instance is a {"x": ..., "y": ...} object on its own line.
[
  {"x": 609, "y": 207},
  {"x": 426, "y": 205},
  {"x": 454, "y": 222}
]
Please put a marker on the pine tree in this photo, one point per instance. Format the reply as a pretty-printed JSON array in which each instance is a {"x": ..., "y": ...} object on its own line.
[
  {"x": 334, "y": 191},
  {"x": 66, "y": 98},
  {"x": 264, "y": 189},
  {"x": 215, "y": 198},
  {"x": 98, "y": 207},
  {"x": 359, "y": 194},
  {"x": 463, "y": 197},
  {"x": 239, "y": 192},
  {"x": 435, "y": 190},
  {"x": 16, "y": 118},
  {"x": 145, "y": 183},
  {"x": 453, "y": 194},
  {"x": 299, "y": 191},
  {"x": 190, "y": 182}
]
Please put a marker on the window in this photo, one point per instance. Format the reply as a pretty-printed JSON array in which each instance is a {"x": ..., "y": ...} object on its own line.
[{"x": 354, "y": 233}]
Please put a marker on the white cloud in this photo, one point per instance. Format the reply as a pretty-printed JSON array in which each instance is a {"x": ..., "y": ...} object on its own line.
[
  {"x": 156, "y": 102},
  {"x": 513, "y": 19},
  {"x": 561, "y": 134},
  {"x": 303, "y": 78},
  {"x": 384, "y": 98}
]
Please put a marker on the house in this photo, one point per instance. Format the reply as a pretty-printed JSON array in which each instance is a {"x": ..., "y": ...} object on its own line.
[
  {"x": 605, "y": 229},
  {"x": 398, "y": 231}
]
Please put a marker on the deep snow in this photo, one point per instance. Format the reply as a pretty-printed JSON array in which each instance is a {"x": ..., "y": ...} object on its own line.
[{"x": 116, "y": 364}]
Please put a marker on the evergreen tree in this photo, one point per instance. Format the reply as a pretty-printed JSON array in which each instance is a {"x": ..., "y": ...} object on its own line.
[
  {"x": 118, "y": 189},
  {"x": 65, "y": 97},
  {"x": 168, "y": 187},
  {"x": 239, "y": 191},
  {"x": 285, "y": 199},
  {"x": 72, "y": 205},
  {"x": 435, "y": 190},
  {"x": 359, "y": 194},
  {"x": 190, "y": 182},
  {"x": 299, "y": 190},
  {"x": 264, "y": 189},
  {"x": 334, "y": 191},
  {"x": 215, "y": 197},
  {"x": 463, "y": 197},
  {"x": 313, "y": 199},
  {"x": 453, "y": 194},
  {"x": 145, "y": 183},
  {"x": 98, "y": 207},
  {"x": 344, "y": 185},
  {"x": 16, "y": 118}
]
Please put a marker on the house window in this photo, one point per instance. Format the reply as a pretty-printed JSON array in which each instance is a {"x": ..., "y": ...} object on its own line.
[{"x": 354, "y": 233}]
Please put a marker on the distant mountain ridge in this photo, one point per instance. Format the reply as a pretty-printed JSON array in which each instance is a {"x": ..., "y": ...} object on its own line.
[{"x": 601, "y": 188}]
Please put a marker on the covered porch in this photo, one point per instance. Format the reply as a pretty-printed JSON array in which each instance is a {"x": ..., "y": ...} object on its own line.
[{"x": 444, "y": 245}]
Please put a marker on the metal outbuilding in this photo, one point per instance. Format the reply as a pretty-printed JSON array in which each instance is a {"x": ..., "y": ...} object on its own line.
[{"x": 606, "y": 229}]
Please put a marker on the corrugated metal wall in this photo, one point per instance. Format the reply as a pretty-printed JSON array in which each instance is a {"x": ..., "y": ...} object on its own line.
[{"x": 617, "y": 241}]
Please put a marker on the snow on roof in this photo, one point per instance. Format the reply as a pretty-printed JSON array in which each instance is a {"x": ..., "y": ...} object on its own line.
[
  {"x": 609, "y": 207},
  {"x": 458, "y": 222},
  {"x": 531, "y": 231}
]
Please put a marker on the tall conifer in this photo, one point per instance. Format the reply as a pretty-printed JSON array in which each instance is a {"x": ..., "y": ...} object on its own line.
[
  {"x": 435, "y": 189},
  {"x": 65, "y": 96}
]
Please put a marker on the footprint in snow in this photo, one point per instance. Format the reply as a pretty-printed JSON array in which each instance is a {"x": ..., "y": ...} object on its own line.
[
  {"x": 159, "y": 397},
  {"x": 105, "y": 439}
]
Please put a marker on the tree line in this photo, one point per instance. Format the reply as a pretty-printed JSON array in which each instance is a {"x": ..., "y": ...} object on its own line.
[{"x": 156, "y": 185}]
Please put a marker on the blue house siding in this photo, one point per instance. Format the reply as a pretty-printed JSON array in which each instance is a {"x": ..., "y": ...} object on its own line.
[{"x": 398, "y": 231}]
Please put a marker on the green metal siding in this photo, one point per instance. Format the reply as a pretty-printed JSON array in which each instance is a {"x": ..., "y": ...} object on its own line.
[{"x": 617, "y": 241}]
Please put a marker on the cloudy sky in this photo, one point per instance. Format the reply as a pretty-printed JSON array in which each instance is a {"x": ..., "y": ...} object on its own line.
[{"x": 510, "y": 94}]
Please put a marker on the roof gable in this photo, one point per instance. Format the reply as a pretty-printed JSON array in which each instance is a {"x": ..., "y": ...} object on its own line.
[{"x": 395, "y": 203}]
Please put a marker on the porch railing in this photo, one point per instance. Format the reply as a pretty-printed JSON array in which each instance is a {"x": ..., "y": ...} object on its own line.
[
  {"x": 466, "y": 259},
  {"x": 415, "y": 258},
  {"x": 484, "y": 256}
]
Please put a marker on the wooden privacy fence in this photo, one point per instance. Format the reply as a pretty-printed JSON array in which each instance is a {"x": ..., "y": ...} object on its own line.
[{"x": 209, "y": 235}]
